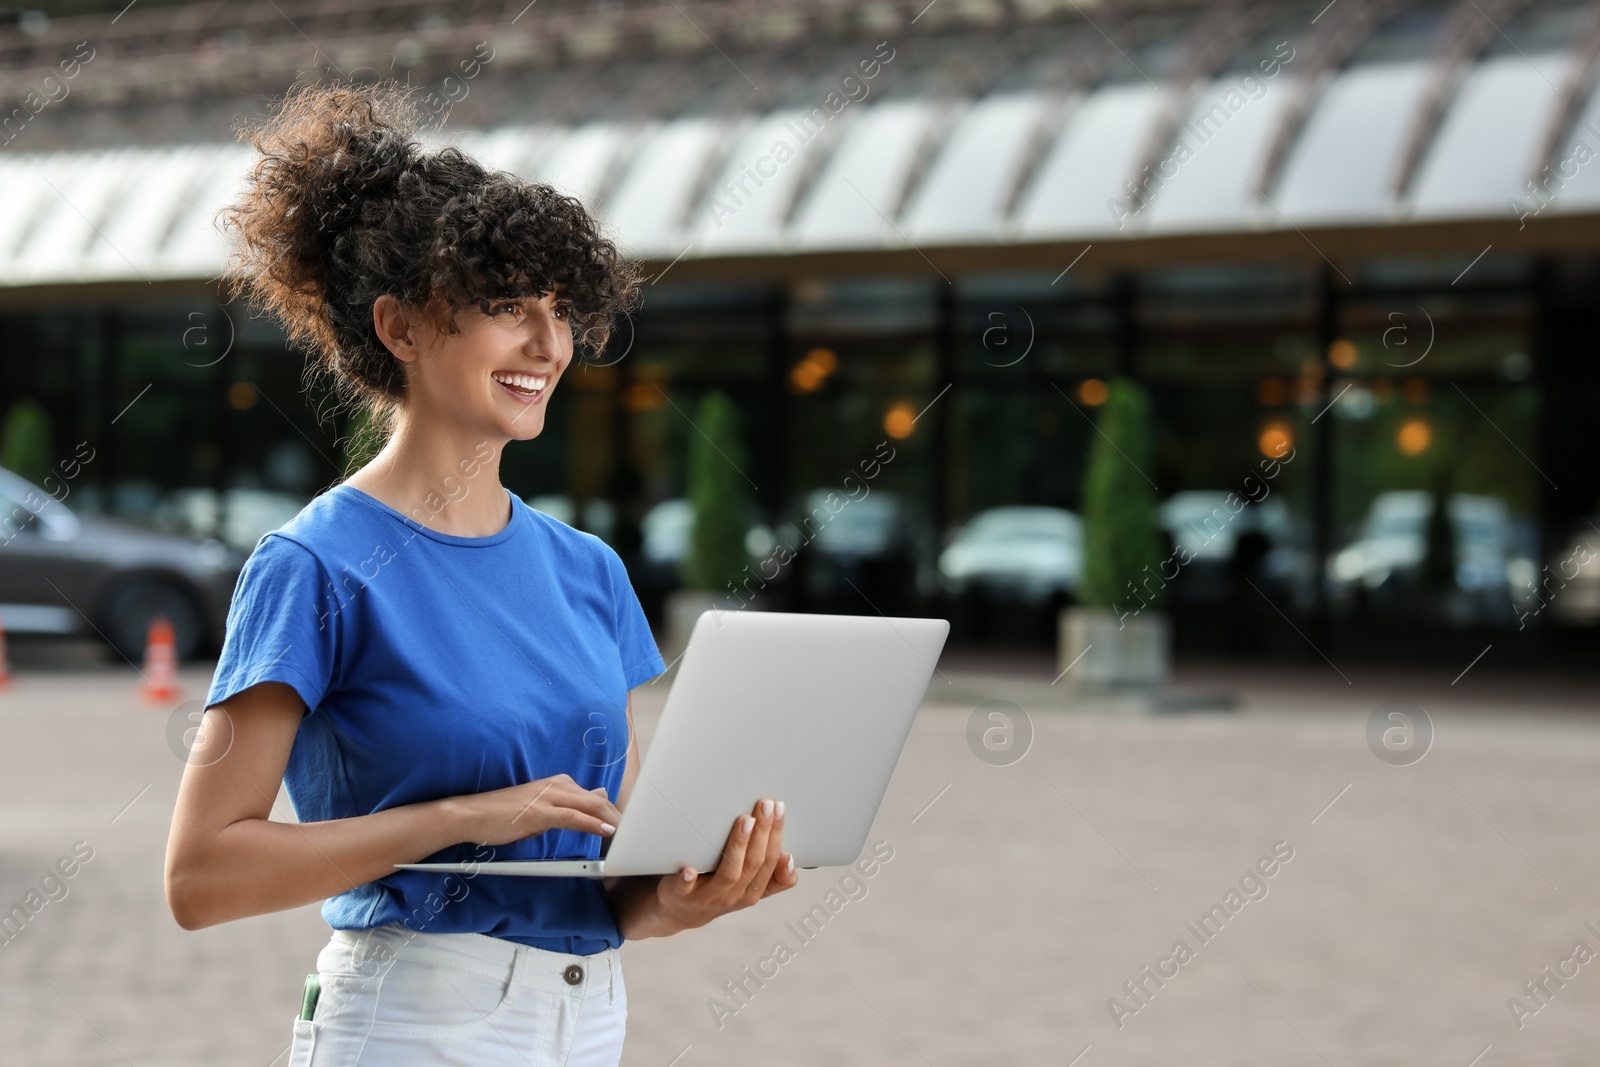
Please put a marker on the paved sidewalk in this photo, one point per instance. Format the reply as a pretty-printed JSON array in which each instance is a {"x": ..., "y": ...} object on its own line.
[{"x": 1019, "y": 899}]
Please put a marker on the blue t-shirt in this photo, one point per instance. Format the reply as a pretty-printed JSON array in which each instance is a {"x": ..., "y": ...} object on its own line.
[{"x": 431, "y": 666}]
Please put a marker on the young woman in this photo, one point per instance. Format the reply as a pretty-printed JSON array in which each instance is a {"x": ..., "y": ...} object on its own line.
[{"x": 436, "y": 671}]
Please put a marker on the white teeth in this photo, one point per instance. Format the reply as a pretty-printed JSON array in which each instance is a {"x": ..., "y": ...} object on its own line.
[{"x": 528, "y": 382}]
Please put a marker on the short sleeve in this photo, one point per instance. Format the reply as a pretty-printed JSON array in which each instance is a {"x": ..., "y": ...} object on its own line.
[
  {"x": 641, "y": 659},
  {"x": 282, "y": 625}
]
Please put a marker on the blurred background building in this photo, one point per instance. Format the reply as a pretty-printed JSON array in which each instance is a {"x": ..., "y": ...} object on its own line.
[{"x": 1362, "y": 235}]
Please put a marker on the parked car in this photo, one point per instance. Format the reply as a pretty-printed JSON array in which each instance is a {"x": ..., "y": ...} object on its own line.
[
  {"x": 237, "y": 517},
  {"x": 1029, "y": 554},
  {"x": 598, "y": 517},
  {"x": 1264, "y": 542},
  {"x": 665, "y": 530},
  {"x": 61, "y": 573},
  {"x": 1386, "y": 557},
  {"x": 1570, "y": 583},
  {"x": 665, "y": 533},
  {"x": 877, "y": 543},
  {"x": 1202, "y": 521}
]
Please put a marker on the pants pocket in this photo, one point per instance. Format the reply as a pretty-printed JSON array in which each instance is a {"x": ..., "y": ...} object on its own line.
[{"x": 413, "y": 996}]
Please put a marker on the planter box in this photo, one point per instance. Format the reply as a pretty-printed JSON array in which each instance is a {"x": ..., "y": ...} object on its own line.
[
  {"x": 683, "y": 609},
  {"x": 1134, "y": 653}
]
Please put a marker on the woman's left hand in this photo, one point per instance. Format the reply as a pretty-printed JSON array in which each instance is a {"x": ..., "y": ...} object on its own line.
[{"x": 753, "y": 866}]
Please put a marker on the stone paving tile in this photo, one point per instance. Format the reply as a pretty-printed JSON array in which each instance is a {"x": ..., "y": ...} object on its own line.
[{"x": 1012, "y": 910}]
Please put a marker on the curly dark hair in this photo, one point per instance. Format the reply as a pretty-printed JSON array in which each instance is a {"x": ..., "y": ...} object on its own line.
[{"x": 345, "y": 205}]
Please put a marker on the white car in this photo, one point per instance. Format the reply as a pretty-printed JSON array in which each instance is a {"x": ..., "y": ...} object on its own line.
[
  {"x": 1570, "y": 583},
  {"x": 1031, "y": 553},
  {"x": 1393, "y": 542},
  {"x": 598, "y": 516},
  {"x": 1202, "y": 522},
  {"x": 238, "y": 518},
  {"x": 666, "y": 528}
]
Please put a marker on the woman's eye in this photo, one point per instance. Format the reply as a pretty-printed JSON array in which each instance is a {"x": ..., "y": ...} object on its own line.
[{"x": 511, "y": 306}]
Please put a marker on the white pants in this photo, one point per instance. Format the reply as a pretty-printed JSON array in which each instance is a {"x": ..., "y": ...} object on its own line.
[{"x": 394, "y": 998}]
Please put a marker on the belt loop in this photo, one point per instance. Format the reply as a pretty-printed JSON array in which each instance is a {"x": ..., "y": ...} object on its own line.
[{"x": 519, "y": 963}]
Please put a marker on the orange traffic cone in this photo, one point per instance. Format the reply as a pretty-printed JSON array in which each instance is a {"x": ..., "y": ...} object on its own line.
[
  {"x": 5, "y": 661},
  {"x": 160, "y": 663}
]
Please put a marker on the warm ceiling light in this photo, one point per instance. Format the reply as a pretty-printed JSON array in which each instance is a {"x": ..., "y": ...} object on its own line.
[
  {"x": 1093, "y": 392},
  {"x": 808, "y": 375},
  {"x": 1276, "y": 439},
  {"x": 643, "y": 396},
  {"x": 241, "y": 396},
  {"x": 899, "y": 420},
  {"x": 591, "y": 376},
  {"x": 823, "y": 359},
  {"x": 1271, "y": 392},
  {"x": 1342, "y": 354},
  {"x": 1414, "y": 437},
  {"x": 804, "y": 378}
]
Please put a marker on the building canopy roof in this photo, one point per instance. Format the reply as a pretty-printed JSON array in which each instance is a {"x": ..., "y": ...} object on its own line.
[{"x": 1014, "y": 125}]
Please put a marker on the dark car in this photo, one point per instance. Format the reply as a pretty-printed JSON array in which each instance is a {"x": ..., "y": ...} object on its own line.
[
  {"x": 61, "y": 573},
  {"x": 861, "y": 555}
]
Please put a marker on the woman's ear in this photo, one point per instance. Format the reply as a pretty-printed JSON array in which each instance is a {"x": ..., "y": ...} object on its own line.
[{"x": 395, "y": 328}]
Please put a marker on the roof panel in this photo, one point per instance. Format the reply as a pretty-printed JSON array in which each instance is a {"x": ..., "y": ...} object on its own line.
[
  {"x": 1483, "y": 153},
  {"x": 196, "y": 247},
  {"x": 650, "y": 203},
  {"x": 746, "y": 203},
  {"x": 144, "y": 209},
  {"x": 1226, "y": 133},
  {"x": 517, "y": 149},
  {"x": 85, "y": 185},
  {"x": 1574, "y": 176},
  {"x": 961, "y": 197},
  {"x": 1340, "y": 168},
  {"x": 1091, "y": 159},
  {"x": 580, "y": 162},
  {"x": 27, "y": 196},
  {"x": 853, "y": 198}
]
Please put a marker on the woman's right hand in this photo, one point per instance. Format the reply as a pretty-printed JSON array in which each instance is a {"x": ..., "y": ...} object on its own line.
[{"x": 502, "y": 816}]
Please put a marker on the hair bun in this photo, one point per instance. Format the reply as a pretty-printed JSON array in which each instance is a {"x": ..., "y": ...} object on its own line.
[
  {"x": 331, "y": 157},
  {"x": 368, "y": 162}
]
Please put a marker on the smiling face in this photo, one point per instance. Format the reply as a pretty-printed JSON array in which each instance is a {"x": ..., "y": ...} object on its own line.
[{"x": 492, "y": 377}]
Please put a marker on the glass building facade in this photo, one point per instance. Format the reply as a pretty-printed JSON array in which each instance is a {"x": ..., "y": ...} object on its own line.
[{"x": 1381, "y": 392}]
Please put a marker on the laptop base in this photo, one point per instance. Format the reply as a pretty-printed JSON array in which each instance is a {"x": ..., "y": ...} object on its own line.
[{"x": 526, "y": 868}]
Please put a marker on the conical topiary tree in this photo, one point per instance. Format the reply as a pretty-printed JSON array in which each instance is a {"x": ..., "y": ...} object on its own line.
[
  {"x": 1121, "y": 537},
  {"x": 25, "y": 445},
  {"x": 716, "y": 554}
]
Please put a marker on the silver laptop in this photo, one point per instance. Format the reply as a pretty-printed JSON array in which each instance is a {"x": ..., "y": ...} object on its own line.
[{"x": 812, "y": 710}]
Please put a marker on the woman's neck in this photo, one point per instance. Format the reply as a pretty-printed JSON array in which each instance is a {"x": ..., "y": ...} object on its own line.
[{"x": 441, "y": 479}]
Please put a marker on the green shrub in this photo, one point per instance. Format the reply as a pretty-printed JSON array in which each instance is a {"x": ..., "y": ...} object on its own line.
[
  {"x": 1120, "y": 533},
  {"x": 26, "y": 447},
  {"x": 716, "y": 554}
]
